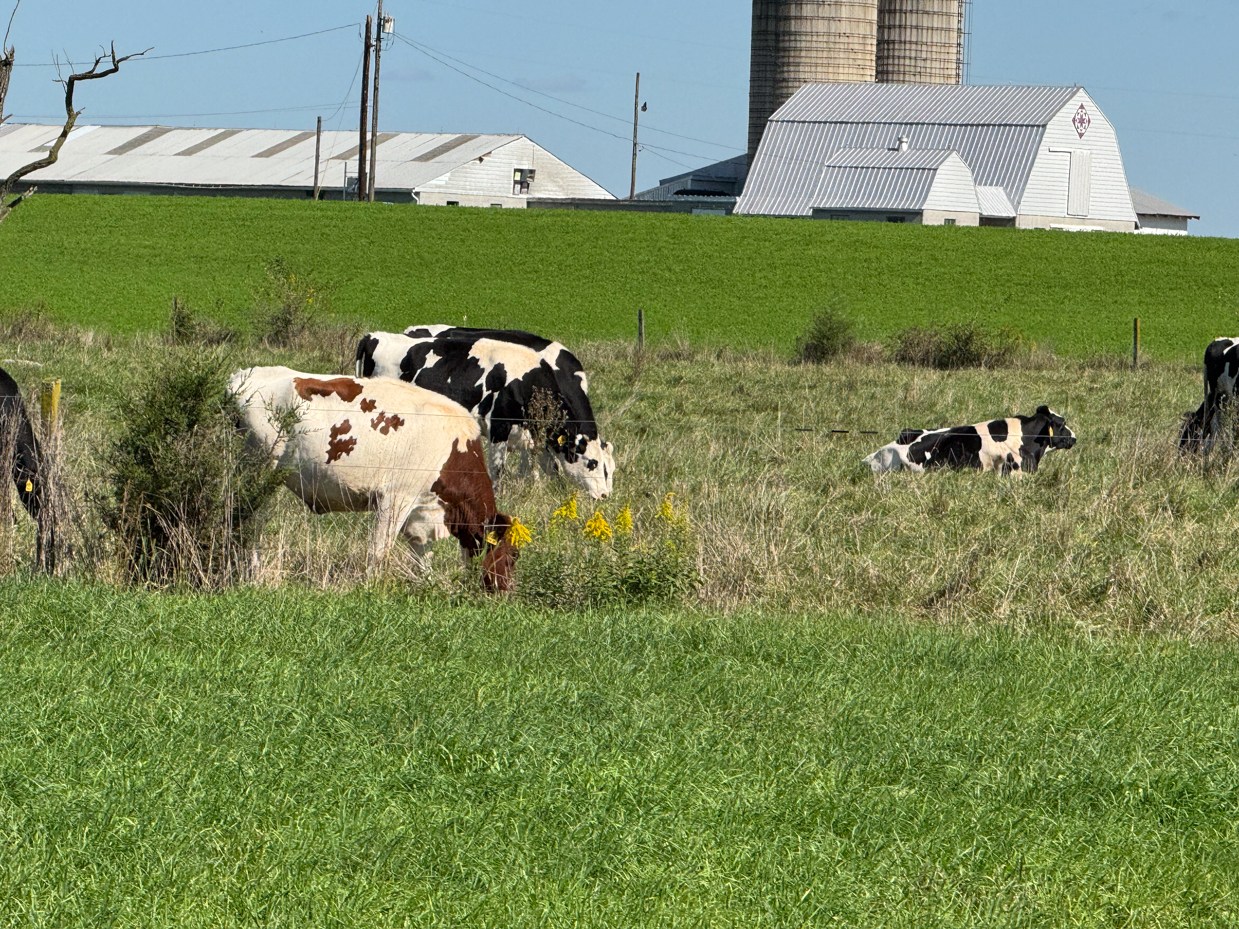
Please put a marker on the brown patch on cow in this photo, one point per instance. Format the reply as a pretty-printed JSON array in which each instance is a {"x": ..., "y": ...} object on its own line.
[
  {"x": 338, "y": 447},
  {"x": 346, "y": 388},
  {"x": 468, "y": 497},
  {"x": 385, "y": 423},
  {"x": 368, "y": 405}
]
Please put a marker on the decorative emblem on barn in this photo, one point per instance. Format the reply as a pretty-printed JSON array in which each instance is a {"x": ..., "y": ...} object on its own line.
[{"x": 1082, "y": 120}]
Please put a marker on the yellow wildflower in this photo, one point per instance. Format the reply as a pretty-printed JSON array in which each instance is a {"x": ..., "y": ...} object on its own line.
[
  {"x": 597, "y": 527},
  {"x": 623, "y": 522},
  {"x": 518, "y": 534},
  {"x": 667, "y": 510},
  {"x": 567, "y": 511}
]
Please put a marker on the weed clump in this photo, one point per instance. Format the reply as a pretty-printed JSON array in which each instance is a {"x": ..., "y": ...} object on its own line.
[
  {"x": 962, "y": 345},
  {"x": 184, "y": 493},
  {"x": 187, "y": 327},
  {"x": 622, "y": 561},
  {"x": 830, "y": 335}
]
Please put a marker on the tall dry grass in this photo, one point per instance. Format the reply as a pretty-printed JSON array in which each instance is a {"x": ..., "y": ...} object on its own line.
[{"x": 1120, "y": 534}]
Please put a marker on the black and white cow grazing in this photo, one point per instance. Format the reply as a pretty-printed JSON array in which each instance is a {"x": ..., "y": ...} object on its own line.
[
  {"x": 17, "y": 435},
  {"x": 495, "y": 373},
  {"x": 1221, "y": 374},
  {"x": 1009, "y": 445}
]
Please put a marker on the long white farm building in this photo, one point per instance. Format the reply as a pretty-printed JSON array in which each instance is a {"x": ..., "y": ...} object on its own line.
[
  {"x": 1029, "y": 157},
  {"x": 436, "y": 169}
]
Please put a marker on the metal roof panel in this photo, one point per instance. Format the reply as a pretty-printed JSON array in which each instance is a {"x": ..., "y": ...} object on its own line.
[{"x": 926, "y": 104}]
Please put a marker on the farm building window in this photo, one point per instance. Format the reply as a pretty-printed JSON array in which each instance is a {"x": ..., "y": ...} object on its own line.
[
  {"x": 522, "y": 180},
  {"x": 838, "y": 215},
  {"x": 948, "y": 222},
  {"x": 496, "y": 206},
  {"x": 896, "y": 219},
  {"x": 453, "y": 203}
]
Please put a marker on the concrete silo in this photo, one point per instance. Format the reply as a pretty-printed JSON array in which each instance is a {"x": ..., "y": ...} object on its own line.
[
  {"x": 797, "y": 42},
  {"x": 921, "y": 41}
]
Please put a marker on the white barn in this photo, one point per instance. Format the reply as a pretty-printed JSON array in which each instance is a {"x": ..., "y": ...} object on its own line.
[
  {"x": 442, "y": 169},
  {"x": 1029, "y": 157}
]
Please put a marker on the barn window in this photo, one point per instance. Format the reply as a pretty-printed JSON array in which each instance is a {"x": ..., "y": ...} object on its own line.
[
  {"x": 948, "y": 222},
  {"x": 896, "y": 219},
  {"x": 453, "y": 203},
  {"x": 522, "y": 181}
]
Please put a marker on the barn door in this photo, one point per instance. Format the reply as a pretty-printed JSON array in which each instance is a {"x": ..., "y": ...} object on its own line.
[{"x": 1080, "y": 190}]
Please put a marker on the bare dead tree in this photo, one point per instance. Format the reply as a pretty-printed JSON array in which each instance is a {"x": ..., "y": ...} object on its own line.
[
  {"x": 7, "y": 55},
  {"x": 71, "y": 115}
]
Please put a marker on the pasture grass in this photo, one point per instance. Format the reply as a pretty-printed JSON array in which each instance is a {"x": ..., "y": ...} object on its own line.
[
  {"x": 306, "y": 759},
  {"x": 1120, "y": 534},
  {"x": 744, "y": 282}
]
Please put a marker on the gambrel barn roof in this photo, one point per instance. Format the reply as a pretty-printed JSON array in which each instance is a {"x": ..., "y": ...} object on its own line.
[{"x": 999, "y": 132}]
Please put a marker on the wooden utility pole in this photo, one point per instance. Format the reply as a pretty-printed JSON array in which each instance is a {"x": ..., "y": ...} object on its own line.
[
  {"x": 362, "y": 188},
  {"x": 318, "y": 153},
  {"x": 636, "y": 116},
  {"x": 374, "y": 103}
]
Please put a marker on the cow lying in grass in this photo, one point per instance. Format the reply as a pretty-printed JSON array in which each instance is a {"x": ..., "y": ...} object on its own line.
[
  {"x": 497, "y": 374},
  {"x": 412, "y": 457},
  {"x": 1221, "y": 369},
  {"x": 17, "y": 438},
  {"x": 1014, "y": 445}
]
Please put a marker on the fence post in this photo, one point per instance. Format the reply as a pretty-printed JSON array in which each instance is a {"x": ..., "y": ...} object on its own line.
[
  {"x": 1135, "y": 343},
  {"x": 640, "y": 329},
  {"x": 49, "y": 413}
]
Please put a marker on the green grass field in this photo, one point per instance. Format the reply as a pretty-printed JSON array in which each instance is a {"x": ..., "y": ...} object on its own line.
[
  {"x": 292, "y": 759},
  {"x": 116, "y": 262}
]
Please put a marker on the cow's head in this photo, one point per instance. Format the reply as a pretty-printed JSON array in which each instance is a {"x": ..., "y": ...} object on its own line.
[
  {"x": 499, "y": 562},
  {"x": 1192, "y": 435},
  {"x": 1055, "y": 433},
  {"x": 587, "y": 462}
]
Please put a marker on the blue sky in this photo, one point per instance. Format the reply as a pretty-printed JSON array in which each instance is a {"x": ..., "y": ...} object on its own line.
[{"x": 1164, "y": 72}]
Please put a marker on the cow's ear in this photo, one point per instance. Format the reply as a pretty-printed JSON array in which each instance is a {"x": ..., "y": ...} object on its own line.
[{"x": 1043, "y": 410}]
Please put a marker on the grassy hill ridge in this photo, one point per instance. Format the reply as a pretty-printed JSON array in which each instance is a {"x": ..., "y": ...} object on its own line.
[{"x": 116, "y": 262}]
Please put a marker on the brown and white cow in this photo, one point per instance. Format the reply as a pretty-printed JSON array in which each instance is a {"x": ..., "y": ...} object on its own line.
[{"x": 410, "y": 456}]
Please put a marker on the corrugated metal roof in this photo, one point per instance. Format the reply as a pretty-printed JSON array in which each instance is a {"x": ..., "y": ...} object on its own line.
[
  {"x": 994, "y": 203},
  {"x": 939, "y": 104},
  {"x": 873, "y": 188},
  {"x": 1148, "y": 205},
  {"x": 788, "y": 164},
  {"x": 135, "y": 155},
  {"x": 883, "y": 158}
]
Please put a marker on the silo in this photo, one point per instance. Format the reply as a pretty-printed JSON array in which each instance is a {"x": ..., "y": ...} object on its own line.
[
  {"x": 797, "y": 42},
  {"x": 921, "y": 41}
]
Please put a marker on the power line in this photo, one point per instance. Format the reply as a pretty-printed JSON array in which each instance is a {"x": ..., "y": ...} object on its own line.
[
  {"x": 579, "y": 106},
  {"x": 212, "y": 51},
  {"x": 285, "y": 109},
  {"x": 543, "y": 109}
]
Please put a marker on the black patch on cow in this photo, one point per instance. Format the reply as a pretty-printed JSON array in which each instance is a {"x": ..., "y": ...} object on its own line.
[
  {"x": 908, "y": 436},
  {"x": 15, "y": 422},
  {"x": 1221, "y": 361},
  {"x": 365, "y": 355},
  {"x": 1040, "y": 433},
  {"x": 998, "y": 430},
  {"x": 422, "y": 333},
  {"x": 454, "y": 373},
  {"x": 466, "y": 335},
  {"x": 959, "y": 447}
]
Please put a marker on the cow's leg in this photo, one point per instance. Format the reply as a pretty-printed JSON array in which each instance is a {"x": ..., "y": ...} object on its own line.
[{"x": 389, "y": 519}]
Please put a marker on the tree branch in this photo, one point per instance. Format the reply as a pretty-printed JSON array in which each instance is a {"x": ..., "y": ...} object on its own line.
[{"x": 71, "y": 116}]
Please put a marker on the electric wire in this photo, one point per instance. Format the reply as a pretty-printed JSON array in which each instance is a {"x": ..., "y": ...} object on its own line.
[{"x": 210, "y": 51}]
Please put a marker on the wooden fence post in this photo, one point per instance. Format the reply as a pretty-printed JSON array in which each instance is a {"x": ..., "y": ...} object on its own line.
[
  {"x": 49, "y": 414},
  {"x": 640, "y": 330},
  {"x": 1135, "y": 343}
]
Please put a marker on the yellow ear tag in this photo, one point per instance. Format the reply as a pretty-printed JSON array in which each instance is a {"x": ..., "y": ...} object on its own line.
[
  {"x": 491, "y": 539},
  {"x": 1051, "y": 431},
  {"x": 561, "y": 440},
  {"x": 29, "y": 487}
]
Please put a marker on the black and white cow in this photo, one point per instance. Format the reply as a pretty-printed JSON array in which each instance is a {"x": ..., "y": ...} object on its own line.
[
  {"x": 17, "y": 435},
  {"x": 1009, "y": 445},
  {"x": 1221, "y": 374},
  {"x": 494, "y": 373}
]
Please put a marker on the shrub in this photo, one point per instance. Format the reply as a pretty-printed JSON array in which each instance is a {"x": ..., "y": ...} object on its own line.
[
  {"x": 830, "y": 334},
  {"x": 183, "y": 492},
  {"x": 288, "y": 306},
  {"x": 963, "y": 345},
  {"x": 186, "y": 327},
  {"x": 598, "y": 562}
]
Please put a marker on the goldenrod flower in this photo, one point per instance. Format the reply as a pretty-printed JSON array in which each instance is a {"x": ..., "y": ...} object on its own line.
[
  {"x": 623, "y": 522},
  {"x": 518, "y": 534},
  {"x": 567, "y": 511},
  {"x": 597, "y": 527},
  {"x": 667, "y": 510}
]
